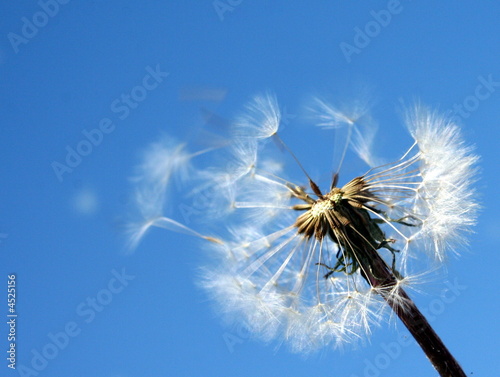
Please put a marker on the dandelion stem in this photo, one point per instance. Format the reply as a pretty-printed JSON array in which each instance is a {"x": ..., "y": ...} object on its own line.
[
  {"x": 424, "y": 334},
  {"x": 379, "y": 276}
]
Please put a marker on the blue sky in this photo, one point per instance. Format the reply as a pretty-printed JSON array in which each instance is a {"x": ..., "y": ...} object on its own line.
[{"x": 123, "y": 73}]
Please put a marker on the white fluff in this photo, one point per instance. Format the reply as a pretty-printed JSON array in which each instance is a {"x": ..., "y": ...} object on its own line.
[
  {"x": 261, "y": 120},
  {"x": 265, "y": 273},
  {"x": 446, "y": 197}
]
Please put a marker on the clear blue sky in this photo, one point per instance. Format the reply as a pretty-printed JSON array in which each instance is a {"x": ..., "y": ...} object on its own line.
[{"x": 102, "y": 65}]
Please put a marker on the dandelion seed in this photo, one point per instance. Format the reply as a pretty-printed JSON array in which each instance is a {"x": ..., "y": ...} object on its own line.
[
  {"x": 317, "y": 266},
  {"x": 242, "y": 162},
  {"x": 162, "y": 162},
  {"x": 360, "y": 128},
  {"x": 261, "y": 120}
]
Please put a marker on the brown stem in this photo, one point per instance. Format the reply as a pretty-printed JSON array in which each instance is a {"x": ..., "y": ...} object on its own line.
[
  {"x": 424, "y": 334},
  {"x": 380, "y": 276}
]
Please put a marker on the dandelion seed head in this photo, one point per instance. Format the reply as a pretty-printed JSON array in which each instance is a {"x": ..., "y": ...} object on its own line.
[{"x": 315, "y": 266}]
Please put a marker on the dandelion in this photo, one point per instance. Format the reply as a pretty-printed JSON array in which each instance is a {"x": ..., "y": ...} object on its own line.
[
  {"x": 162, "y": 162},
  {"x": 318, "y": 266},
  {"x": 261, "y": 120}
]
